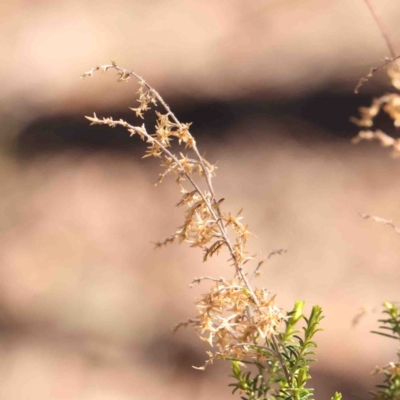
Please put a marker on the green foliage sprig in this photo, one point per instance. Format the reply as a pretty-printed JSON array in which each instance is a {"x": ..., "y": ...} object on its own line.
[
  {"x": 389, "y": 328},
  {"x": 284, "y": 372}
]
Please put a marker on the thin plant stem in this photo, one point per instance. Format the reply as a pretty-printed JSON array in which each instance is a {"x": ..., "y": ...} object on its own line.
[
  {"x": 382, "y": 28},
  {"x": 281, "y": 360}
]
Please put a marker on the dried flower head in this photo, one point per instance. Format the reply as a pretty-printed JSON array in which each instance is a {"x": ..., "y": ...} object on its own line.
[
  {"x": 230, "y": 320},
  {"x": 389, "y": 103}
]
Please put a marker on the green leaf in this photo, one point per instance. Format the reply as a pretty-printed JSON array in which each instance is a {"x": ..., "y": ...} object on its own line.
[{"x": 385, "y": 334}]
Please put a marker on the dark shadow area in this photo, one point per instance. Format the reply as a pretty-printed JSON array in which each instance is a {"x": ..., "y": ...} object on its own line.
[{"x": 211, "y": 120}]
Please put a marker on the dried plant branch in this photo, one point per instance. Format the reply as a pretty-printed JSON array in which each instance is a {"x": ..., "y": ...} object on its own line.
[
  {"x": 390, "y": 104},
  {"x": 389, "y": 61},
  {"x": 359, "y": 316},
  {"x": 185, "y": 324},
  {"x": 206, "y": 278},
  {"x": 366, "y": 78},
  {"x": 276, "y": 252},
  {"x": 213, "y": 203},
  {"x": 231, "y": 312},
  {"x": 382, "y": 221},
  {"x": 382, "y": 28},
  {"x": 240, "y": 323},
  {"x": 256, "y": 271},
  {"x": 385, "y": 140}
]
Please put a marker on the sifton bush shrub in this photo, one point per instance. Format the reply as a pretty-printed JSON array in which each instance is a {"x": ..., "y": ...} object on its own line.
[{"x": 270, "y": 350}]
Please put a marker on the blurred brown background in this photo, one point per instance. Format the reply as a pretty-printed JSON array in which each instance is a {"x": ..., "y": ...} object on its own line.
[{"x": 86, "y": 305}]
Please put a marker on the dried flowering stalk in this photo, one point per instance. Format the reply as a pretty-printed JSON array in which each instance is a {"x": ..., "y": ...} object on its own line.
[
  {"x": 232, "y": 316},
  {"x": 241, "y": 323}
]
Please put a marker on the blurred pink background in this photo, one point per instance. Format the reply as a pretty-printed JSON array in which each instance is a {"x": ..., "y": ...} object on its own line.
[{"x": 86, "y": 304}]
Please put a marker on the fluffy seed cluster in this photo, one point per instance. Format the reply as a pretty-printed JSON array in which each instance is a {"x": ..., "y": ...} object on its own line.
[
  {"x": 232, "y": 316},
  {"x": 389, "y": 103},
  {"x": 230, "y": 320}
]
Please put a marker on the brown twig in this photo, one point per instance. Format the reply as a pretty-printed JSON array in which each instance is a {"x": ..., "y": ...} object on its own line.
[
  {"x": 271, "y": 254},
  {"x": 382, "y": 28},
  {"x": 207, "y": 278},
  {"x": 389, "y": 43},
  {"x": 371, "y": 72},
  {"x": 382, "y": 221}
]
